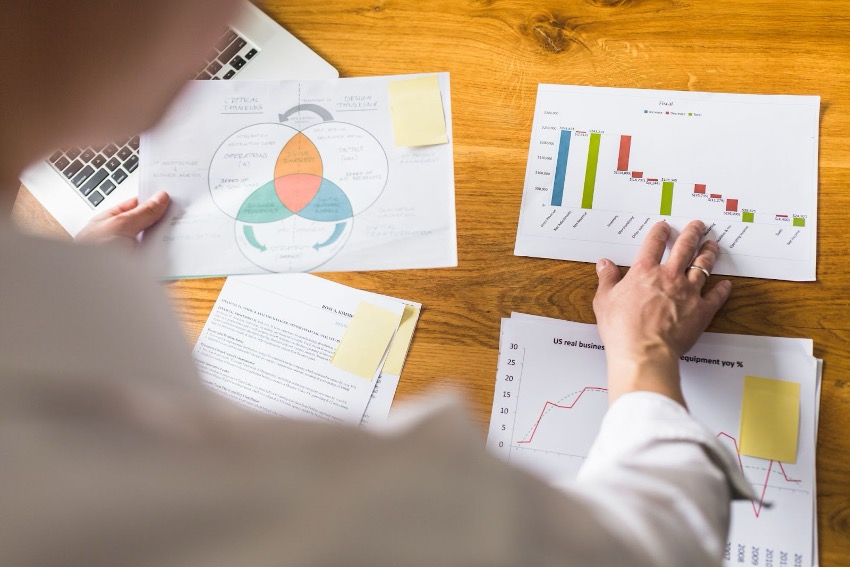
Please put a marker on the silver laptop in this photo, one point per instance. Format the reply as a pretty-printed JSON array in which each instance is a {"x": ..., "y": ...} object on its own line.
[{"x": 74, "y": 184}]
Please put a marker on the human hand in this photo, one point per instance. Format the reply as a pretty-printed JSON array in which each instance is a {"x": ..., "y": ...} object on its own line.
[
  {"x": 123, "y": 223},
  {"x": 655, "y": 314}
]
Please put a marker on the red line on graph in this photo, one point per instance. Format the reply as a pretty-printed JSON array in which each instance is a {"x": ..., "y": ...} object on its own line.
[
  {"x": 556, "y": 405},
  {"x": 757, "y": 510}
]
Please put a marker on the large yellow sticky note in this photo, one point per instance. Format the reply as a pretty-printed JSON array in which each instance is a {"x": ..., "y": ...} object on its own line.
[
  {"x": 401, "y": 341},
  {"x": 417, "y": 109},
  {"x": 770, "y": 419},
  {"x": 366, "y": 340}
]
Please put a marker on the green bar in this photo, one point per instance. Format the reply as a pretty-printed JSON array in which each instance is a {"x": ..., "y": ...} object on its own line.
[
  {"x": 799, "y": 221},
  {"x": 667, "y": 198},
  {"x": 748, "y": 216},
  {"x": 590, "y": 172}
]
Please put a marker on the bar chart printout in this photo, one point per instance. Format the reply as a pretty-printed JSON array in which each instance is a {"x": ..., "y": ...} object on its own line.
[
  {"x": 551, "y": 396},
  {"x": 605, "y": 164}
]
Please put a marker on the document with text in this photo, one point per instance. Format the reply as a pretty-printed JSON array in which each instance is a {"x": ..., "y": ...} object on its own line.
[{"x": 269, "y": 342}]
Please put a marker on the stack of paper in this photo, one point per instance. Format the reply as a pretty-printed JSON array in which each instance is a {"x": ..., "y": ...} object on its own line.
[
  {"x": 300, "y": 346},
  {"x": 551, "y": 395}
]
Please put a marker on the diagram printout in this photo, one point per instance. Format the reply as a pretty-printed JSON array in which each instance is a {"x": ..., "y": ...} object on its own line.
[
  {"x": 297, "y": 176},
  {"x": 605, "y": 164},
  {"x": 552, "y": 394}
]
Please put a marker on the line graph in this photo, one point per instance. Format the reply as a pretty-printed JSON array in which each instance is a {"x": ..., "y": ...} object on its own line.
[
  {"x": 556, "y": 405},
  {"x": 551, "y": 398},
  {"x": 758, "y": 504},
  {"x": 757, "y": 509}
]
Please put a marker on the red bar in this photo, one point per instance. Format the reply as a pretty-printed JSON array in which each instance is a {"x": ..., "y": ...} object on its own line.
[
  {"x": 699, "y": 188},
  {"x": 625, "y": 148},
  {"x": 716, "y": 196},
  {"x": 731, "y": 205},
  {"x": 783, "y": 216},
  {"x": 637, "y": 175}
]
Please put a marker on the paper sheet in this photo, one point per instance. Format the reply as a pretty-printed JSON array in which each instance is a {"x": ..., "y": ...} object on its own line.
[
  {"x": 268, "y": 342},
  {"x": 544, "y": 360},
  {"x": 417, "y": 109},
  {"x": 366, "y": 340},
  {"x": 770, "y": 419},
  {"x": 296, "y": 176},
  {"x": 401, "y": 342},
  {"x": 605, "y": 164}
]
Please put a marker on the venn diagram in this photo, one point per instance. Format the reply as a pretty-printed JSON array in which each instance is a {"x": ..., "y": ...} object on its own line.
[{"x": 294, "y": 194}]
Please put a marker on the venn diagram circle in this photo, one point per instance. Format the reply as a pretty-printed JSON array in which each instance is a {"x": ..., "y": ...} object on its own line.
[{"x": 294, "y": 194}]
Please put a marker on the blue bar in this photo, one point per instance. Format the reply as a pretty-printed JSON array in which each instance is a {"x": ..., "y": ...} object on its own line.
[{"x": 561, "y": 167}]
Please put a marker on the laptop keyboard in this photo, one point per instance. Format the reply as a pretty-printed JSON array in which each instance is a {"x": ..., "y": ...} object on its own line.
[{"x": 94, "y": 172}]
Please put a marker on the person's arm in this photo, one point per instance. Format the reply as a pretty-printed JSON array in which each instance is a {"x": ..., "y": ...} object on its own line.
[
  {"x": 655, "y": 314},
  {"x": 123, "y": 223},
  {"x": 654, "y": 474}
]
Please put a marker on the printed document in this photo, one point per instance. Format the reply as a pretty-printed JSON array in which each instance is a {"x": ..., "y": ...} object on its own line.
[
  {"x": 552, "y": 393},
  {"x": 269, "y": 341},
  {"x": 301, "y": 176}
]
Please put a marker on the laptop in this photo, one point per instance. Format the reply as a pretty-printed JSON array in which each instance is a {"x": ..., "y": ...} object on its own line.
[{"x": 75, "y": 184}]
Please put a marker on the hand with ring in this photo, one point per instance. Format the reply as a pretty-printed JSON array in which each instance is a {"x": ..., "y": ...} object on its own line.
[{"x": 655, "y": 313}]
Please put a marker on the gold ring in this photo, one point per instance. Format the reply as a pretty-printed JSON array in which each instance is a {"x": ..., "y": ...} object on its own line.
[{"x": 701, "y": 269}]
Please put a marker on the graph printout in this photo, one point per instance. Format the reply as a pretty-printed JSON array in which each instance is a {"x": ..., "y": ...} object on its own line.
[
  {"x": 605, "y": 164},
  {"x": 551, "y": 396},
  {"x": 297, "y": 176}
]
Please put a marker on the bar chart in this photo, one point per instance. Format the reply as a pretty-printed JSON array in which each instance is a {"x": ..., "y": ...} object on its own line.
[{"x": 605, "y": 164}]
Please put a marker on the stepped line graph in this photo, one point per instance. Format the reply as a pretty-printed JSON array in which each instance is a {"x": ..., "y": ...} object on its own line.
[
  {"x": 556, "y": 405},
  {"x": 757, "y": 507}
]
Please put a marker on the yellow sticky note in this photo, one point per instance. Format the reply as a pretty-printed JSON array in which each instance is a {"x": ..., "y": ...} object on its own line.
[
  {"x": 417, "y": 109},
  {"x": 401, "y": 341},
  {"x": 366, "y": 340},
  {"x": 770, "y": 419}
]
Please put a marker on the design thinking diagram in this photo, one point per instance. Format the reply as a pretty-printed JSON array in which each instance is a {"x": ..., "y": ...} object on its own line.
[{"x": 294, "y": 193}]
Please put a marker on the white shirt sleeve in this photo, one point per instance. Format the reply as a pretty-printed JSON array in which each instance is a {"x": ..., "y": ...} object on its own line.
[
  {"x": 661, "y": 480},
  {"x": 114, "y": 453}
]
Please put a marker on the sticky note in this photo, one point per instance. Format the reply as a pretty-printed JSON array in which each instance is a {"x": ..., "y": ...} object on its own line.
[
  {"x": 417, "y": 110},
  {"x": 401, "y": 341},
  {"x": 366, "y": 340},
  {"x": 770, "y": 419}
]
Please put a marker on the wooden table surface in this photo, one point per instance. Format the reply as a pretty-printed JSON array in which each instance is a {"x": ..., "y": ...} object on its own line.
[{"x": 497, "y": 52}]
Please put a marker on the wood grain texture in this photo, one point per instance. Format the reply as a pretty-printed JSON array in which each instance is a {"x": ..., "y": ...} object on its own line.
[{"x": 497, "y": 52}]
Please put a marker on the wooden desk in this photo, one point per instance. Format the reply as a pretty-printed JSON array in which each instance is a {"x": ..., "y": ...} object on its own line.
[{"x": 497, "y": 53}]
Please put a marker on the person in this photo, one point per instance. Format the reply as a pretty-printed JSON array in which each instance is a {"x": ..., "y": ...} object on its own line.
[{"x": 113, "y": 452}]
